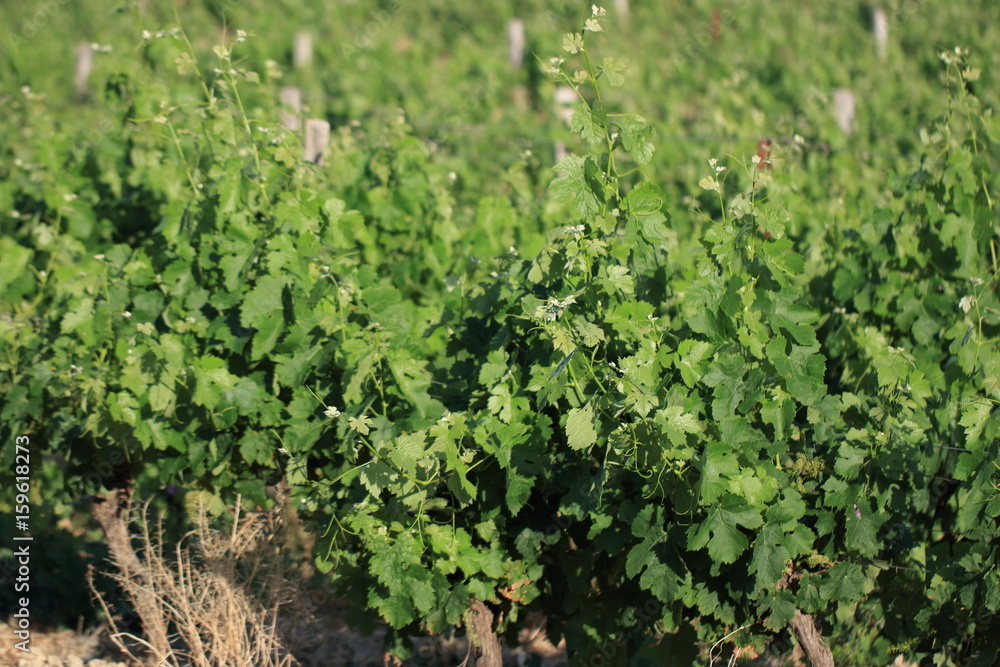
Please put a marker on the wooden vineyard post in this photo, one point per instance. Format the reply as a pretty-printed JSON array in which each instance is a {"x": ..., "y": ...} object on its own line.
[
  {"x": 515, "y": 43},
  {"x": 843, "y": 108},
  {"x": 804, "y": 628},
  {"x": 317, "y": 140},
  {"x": 302, "y": 50},
  {"x": 565, "y": 97},
  {"x": 479, "y": 626},
  {"x": 880, "y": 29},
  {"x": 621, "y": 7},
  {"x": 291, "y": 98},
  {"x": 84, "y": 64},
  {"x": 764, "y": 153},
  {"x": 515, "y": 57}
]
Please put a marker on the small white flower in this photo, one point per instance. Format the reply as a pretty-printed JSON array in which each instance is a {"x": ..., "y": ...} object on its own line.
[
  {"x": 69, "y": 197},
  {"x": 332, "y": 413},
  {"x": 127, "y": 315},
  {"x": 241, "y": 36},
  {"x": 99, "y": 258},
  {"x": 755, "y": 159},
  {"x": 966, "y": 303},
  {"x": 593, "y": 26},
  {"x": 189, "y": 320},
  {"x": 976, "y": 281},
  {"x": 147, "y": 35},
  {"x": 575, "y": 230},
  {"x": 597, "y": 11}
]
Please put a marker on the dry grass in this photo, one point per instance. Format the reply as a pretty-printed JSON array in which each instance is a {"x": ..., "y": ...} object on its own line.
[{"x": 220, "y": 599}]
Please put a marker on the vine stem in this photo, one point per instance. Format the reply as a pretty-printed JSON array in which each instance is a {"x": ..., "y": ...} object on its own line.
[{"x": 711, "y": 652}]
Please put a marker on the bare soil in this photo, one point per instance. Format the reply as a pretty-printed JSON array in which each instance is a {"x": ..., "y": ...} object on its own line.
[{"x": 334, "y": 644}]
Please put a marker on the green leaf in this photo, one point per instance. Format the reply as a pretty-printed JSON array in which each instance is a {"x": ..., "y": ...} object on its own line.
[
  {"x": 795, "y": 319},
  {"x": 161, "y": 397},
  {"x": 590, "y": 333},
  {"x": 268, "y": 333},
  {"x": 573, "y": 186},
  {"x": 212, "y": 379},
  {"x": 580, "y": 432},
  {"x": 572, "y": 42},
  {"x": 634, "y": 131},
  {"x": 783, "y": 259},
  {"x": 720, "y": 532},
  {"x": 406, "y": 450},
  {"x": 591, "y": 124},
  {"x": 618, "y": 280},
  {"x": 82, "y": 314},
  {"x": 849, "y": 461},
  {"x": 378, "y": 476},
  {"x": 646, "y": 199},
  {"x": 769, "y": 558},
  {"x": 861, "y": 534},
  {"x": 646, "y": 526},
  {"x": 719, "y": 465},
  {"x": 974, "y": 419},
  {"x": 614, "y": 70},
  {"x": 677, "y": 423},
  {"x": 691, "y": 360},
  {"x": 256, "y": 447},
  {"x": 518, "y": 490},
  {"x": 263, "y": 302}
]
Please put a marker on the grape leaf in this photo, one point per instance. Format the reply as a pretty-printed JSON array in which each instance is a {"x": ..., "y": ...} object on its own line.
[{"x": 580, "y": 432}]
